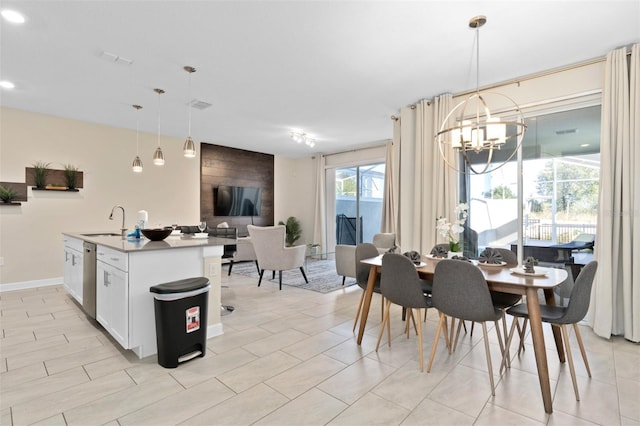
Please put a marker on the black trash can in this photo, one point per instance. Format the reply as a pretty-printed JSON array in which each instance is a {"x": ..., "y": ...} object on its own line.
[{"x": 181, "y": 320}]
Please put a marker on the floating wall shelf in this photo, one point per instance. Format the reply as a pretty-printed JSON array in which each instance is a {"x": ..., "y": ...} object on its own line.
[
  {"x": 55, "y": 180},
  {"x": 21, "y": 192}
]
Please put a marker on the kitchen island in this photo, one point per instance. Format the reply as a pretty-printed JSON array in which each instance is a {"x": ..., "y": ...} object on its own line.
[{"x": 125, "y": 270}]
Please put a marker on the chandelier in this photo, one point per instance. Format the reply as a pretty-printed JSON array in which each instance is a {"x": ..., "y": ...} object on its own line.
[{"x": 477, "y": 135}]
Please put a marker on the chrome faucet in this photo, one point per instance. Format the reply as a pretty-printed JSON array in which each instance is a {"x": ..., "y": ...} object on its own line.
[{"x": 123, "y": 230}]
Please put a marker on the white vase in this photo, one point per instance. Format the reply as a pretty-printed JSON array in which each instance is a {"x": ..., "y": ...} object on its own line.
[{"x": 454, "y": 253}]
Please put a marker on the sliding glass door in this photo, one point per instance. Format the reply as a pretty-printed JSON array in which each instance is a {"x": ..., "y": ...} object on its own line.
[
  {"x": 560, "y": 171},
  {"x": 357, "y": 202}
]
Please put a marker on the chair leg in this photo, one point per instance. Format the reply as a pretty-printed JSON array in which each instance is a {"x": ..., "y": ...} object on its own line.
[
  {"x": 503, "y": 350},
  {"x": 257, "y": 267},
  {"x": 358, "y": 313},
  {"x": 386, "y": 315},
  {"x": 280, "y": 279},
  {"x": 343, "y": 278},
  {"x": 488, "y": 353},
  {"x": 522, "y": 334},
  {"x": 230, "y": 267},
  {"x": 385, "y": 320},
  {"x": 582, "y": 351},
  {"x": 565, "y": 336},
  {"x": 434, "y": 346},
  {"x": 273, "y": 275},
  {"x": 304, "y": 275},
  {"x": 413, "y": 320},
  {"x": 504, "y": 362},
  {"x": 420, "y": 350},
  {"x": 455, "y": 344},
  {"x": 260, "y": 279},
  {"x": 472, "y": 324}
]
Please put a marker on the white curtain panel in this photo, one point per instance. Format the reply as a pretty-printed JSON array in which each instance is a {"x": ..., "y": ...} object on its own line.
[
  {"x": 389, "y": 203},
  {"x": 615, "y": 298},
  {"x": 436, "y": 193},
  {"x": 320, "y": 223}
]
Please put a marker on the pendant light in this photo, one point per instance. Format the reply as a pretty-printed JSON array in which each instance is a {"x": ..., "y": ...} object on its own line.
[
  {"x": 137, "y": 163},
  {"x": 189, "y": 148},
  {"x": 158, "y": 156}
]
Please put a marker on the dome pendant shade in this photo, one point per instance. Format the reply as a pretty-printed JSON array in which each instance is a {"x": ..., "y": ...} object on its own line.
[
  {"x": 189, "y": 148},
  {"x": 137, "y": 165},
  {"x": 158, "y": 157}
]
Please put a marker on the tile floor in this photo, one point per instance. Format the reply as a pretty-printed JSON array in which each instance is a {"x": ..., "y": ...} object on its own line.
[{"x": 290, "y": 358}]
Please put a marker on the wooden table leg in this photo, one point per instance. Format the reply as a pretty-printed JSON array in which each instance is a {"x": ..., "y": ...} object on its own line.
[
  {"x": 557, "y": 333},
  {"x": 368, "y": 294},
  {"x": 538, "y": 347}
]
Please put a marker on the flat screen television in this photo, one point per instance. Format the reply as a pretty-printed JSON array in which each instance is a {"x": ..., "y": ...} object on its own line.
[{"x": 237, "y": 201}]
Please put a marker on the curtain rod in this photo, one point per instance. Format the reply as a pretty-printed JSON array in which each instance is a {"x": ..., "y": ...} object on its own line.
[{"x": 543, "y": 73}]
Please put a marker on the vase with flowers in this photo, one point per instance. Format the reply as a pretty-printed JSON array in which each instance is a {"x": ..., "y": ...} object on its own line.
[{"x": 452, "y": 230}]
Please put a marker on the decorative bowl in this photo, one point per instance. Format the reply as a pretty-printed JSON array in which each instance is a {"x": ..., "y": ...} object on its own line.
[{"x": 157, "y": 234}]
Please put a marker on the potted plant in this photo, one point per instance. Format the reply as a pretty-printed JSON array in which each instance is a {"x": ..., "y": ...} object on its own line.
[
  {"x": 293, "y": 230},
  {"x": 40, "y": 173},
  {"x": 7, "y": 194},
  {"x": 71, "y": 175}
]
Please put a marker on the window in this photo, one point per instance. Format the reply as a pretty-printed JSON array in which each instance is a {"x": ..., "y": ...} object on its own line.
[{"x": 560, "y": 166}]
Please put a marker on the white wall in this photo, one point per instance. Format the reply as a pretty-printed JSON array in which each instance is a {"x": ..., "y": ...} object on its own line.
[
  {"x": 294, "y": 193},
  {"x": 30, "y": 234}
]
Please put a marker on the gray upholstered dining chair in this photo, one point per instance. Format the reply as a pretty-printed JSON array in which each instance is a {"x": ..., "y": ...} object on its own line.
[
  {"x": 460, "y": 291},
  {"x": 562, "y": 316},
  {"x": 365, "y": 251},
  {"x": 401, "y": 285},
  {"x": 269, "y": 245},
  {"x": 502, "y": 300}
]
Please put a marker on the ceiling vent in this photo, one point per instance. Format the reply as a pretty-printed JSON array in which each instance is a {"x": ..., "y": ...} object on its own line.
[
  {"x": 566, "y": 131},
  {"x": 198, "y": 104}
]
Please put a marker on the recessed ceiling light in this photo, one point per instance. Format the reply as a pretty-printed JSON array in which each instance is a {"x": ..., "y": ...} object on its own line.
[
  {"x": 7, "y": 84},
  {"x": 13, "y": 16},
  {"x": 584, "y": 145}
]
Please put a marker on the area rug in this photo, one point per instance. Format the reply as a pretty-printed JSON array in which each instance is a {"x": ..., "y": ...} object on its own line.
[{"x": 321, "y": 274}]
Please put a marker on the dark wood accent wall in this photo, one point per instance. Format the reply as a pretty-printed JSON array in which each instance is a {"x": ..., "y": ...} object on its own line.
[{"x": 221, "y": 165}]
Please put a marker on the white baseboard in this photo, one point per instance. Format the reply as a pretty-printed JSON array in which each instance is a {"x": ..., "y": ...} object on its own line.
[
  {"x": 24, "y": 285},
  {"x": 214, "y": 330}
]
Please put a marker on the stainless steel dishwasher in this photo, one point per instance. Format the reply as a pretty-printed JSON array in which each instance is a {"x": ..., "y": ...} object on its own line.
[{"x": 89, "y": 279}]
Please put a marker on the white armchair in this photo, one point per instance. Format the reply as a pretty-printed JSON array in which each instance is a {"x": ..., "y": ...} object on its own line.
[{"x": 268, "y": 243}]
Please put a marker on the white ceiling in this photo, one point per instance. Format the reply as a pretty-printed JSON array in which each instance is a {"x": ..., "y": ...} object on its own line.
[{"x": 336, "y": 69}]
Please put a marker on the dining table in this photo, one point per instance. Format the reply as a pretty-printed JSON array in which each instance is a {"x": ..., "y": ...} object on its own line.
[{"x": 505, "y": 278}]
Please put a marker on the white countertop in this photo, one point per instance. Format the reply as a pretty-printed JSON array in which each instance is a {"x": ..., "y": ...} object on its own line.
[{"x": 144, "y": 244}]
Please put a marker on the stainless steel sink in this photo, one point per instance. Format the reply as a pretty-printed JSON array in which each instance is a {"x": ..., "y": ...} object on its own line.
[{"x": 101, "y": 234}]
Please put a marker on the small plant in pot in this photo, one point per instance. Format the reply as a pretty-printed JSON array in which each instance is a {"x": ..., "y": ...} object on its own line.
[
  {"x": 7, "y": 195},
  {"x": 293, "y": 230},
  {"x": 71, "y": 175},
  {"x": 40, "y": 173}
]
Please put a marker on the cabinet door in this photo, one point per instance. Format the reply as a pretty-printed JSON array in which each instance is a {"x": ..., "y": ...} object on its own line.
[
  {"x": 77, "y": 272},
  {"x": 103, "y": 301},
  {"x": 68, "y": 271},
  {"x": 112, "y": 302},
  {"x": 73, "y": 273},
  {"x": 119, "y": 322}
]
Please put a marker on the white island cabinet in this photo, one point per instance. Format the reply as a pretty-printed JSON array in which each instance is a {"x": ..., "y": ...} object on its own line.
[{"x": 126, "y": 269}]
